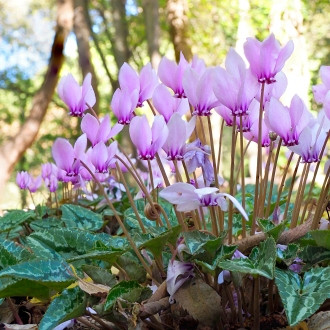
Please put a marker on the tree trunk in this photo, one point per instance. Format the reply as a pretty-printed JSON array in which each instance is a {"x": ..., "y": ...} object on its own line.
[
  {"x": 178, "y": 21},
  {"x": 12, "y": 149},
  {"x": 151, "y": 18},
  {"x": 120, "y": 42},
  {"x": 81, "y": 30}
]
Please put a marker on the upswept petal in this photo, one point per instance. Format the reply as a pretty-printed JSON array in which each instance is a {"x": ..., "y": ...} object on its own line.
[
  {"x": 284, "y": 54},
  {"x": 69, "y": 91},
  {"x": 159, "y": 133},
  {"x": 89, "y": 125},
  {"x": 205, "y": 191},
  {"x": 252, "y": 54},
  {"x": 277, "y": 118},
  {"x": 237, "y": 204},
  {"x": 87, "y": 93},
  {"x": 63, "y": 154},
  {"x": 206, "y": 97},
  {"x": 269, "y": 50},
  {"x": 140, "y": 134},
  {"x": 167, "y": 72},
  {"x": 190, "y": 83},
  {"x": 104, "y": 130},
  {"x": 225, "y": 113},
  {"x": 163, "y": 101},
  {"x": 325, "y": 75},
  {"x": 80, "y": 146},
  {"x": 319, "y": 92},
  {"x": 128, "y": 78},
  {"x": 148, "y": 82},
  {"x": 235, "y": 65},
  {"x": 300, "y": 116},
  {"x": 99, "y": 157},
  {"x": 179, "y": 193},
  {"x": 116, "y": 128},
  {"x": 181, "y": 106}
]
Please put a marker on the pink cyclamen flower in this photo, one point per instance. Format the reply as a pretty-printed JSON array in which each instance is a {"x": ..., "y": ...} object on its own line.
[
  {"x": 177, "y": 274},
  {"x": 188, "y": 198},
  {"x": 35, "y": 184},
  {"x": 99, "y": 131},
  {"x": 226, "y": 114},
  {"x": 67, "y": 157},
  {"x": 123, "y": 104},
  {"x": 234, "y": 87},
  {"x": 76, "y": 97},
  {"x": 171, "y": 74},
  {"x": 178, "y": 133},
  {"x": 198, "y": 90},
  {"x": 148, "y": 140},
  {"x": 166, "y": 104},
  {"x": 311, "y": 141},
  {"x": 48, "y": 169},
  {"x": 287, "y": 122},
  {"x": 320, "y": 91},
  {"x": 145, "y": 83},
  {"x": 267, "y": 58},
  {"x": 197, "y": 155},
  {"x": 102, "y": 156},
  {"x": 23, "y": 179}
]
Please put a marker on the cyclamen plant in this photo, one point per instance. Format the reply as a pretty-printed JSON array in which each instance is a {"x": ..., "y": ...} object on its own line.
[{"x": 183, "y": 166}]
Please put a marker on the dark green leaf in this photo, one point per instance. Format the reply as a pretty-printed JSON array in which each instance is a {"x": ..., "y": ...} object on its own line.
[
  {"x": 10, "y": 287},
  {"x": 100, "y": 275},
  {"x": 118, "y": 291},
  {"x": 155, "y": 245},
  {"x": 322, "y": 238},
  {"x": 41, "y": 250},
  {"x": 260, "y": 262},
  {"x": 109, "y": 256},
  {"x": 289, "y": 254},
  {"x": 76, "y": 216},
  {"x": 312, "y": 255},
  {"x": 132, "y": 266},
  {"x": 14, "y": 218},
  {"x": 270, "y": 229},
  {"x": 70, "y": 304},
  {"x": 47, "y": 223},
  {"x": 302, "y": 298}
]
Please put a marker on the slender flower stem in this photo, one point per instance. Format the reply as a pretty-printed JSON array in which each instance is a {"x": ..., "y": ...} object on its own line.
[
  {"x": 231, "y": 182},
  {"x": 177, "y": 171},
  {"x": 271, "y": 296},
  {"x": 202, "y": 129},
  {"x": 259, "y": 160},
  {"x": 121, "y": 224},
  {"x": 130, "y": 198},
  {"x": 264, "y": 183},
  {"x": 291, "y": 188},
  {"x": 300, "y": 196},
  {"x": 242, "y": 174},
  {"x": 272, "y": 179},
  {"x": 93, "y": 112},
  {"x": 213, "y": 152},
  {"x": 153, "y": 191},
  {"x": 162, "y": 170},
  {"x": 314, "y": 178},
  {"x": 185, "y": 170},
  {"x": 239, "y": 167},
  {"x": 282, "y": 183},
  {"x": 152, "y": 107},
  {"x": 214, "y": 221},
  {"x": 322, "y": 202},
  {"x": 220, "y": 145}
]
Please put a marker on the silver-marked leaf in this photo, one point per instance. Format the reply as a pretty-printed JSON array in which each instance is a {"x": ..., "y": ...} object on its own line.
[
  {"x": 312, "y": 255},
  {"x": 41, "y": 250},
  {"x": 289, "y": 254},
  {"x": 14, "y": 218},
  {"x": 302, "y": 297},
  {"x": 118, "y": 291},
  {"x": 270, "y": 229},
  {"x": 51, "y": 273},
  {"x": 18, "y": 251},
  {"x": 70, "y": 304},
  {"x": 260, "y": 262},
  {"x": 76, "y": 216},
  {"x": 109, "y": 256},
  {"x": 100, "y": 275}
]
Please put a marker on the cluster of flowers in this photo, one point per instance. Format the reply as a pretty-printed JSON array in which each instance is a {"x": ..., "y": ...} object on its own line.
[{"x": 233, "y": 92}]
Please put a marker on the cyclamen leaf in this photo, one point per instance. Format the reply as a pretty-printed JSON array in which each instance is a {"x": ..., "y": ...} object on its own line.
[
  {"x": 19, "y": 252},
  {"x": 260, "y": 262},
  {"x": 118, "y": 291},
  {"x": 302, "y": 298},
  {"x": 156, "y": 244},
  {"x": 14, "y": 218},
  {"x": 70, "y": 304},
  {"x": 76, "y": 216},
  {"x": 312, "y": 255},
  {"x": 289, "y": 254},
  {"x": 132, "y": 266},
  {"x": 10, "y": 287},
  {"x": 322, "y": 238},
  {"x": 270, "y": 229},
  {"x": 6, "y": 258},
  {"x": 41, "y": 250},
  {"x": 100, "y": 275},
  {"x": 109, "y": 256},
  {"x": 53, "y": 274}
]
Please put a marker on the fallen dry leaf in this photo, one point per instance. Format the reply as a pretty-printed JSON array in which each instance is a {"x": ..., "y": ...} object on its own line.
[
  {"x": 200, "y": 300},
  {"x": 92, "y": 288}
]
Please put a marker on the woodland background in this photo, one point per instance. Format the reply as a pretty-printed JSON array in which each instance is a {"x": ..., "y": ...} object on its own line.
[{"x": 40, "y": 40}]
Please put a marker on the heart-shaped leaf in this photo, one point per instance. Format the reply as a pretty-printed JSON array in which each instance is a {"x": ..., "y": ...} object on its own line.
[
  {"x": 322, "y": 238},
  {"x": 302, "y": 297},
  {"x": 260, "y": 262},
  {"x": 70, "y": 304},
  {"x": 14, "y": 218}
]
